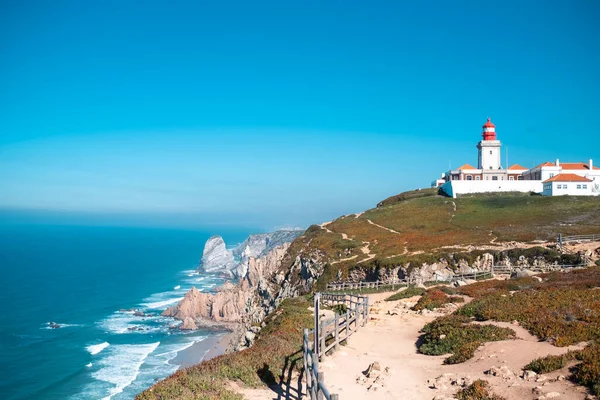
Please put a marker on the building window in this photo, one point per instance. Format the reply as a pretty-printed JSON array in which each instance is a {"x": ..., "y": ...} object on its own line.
[
  {"x": 469, "y": 178},
  {"x": 511, "y": 178},
  {"x": 584, "y": 186},
  {"x": 490, "y": 152},
  {"x": 578, "y": 186},
  {"x": 551, "y": 175},
  {"x": 494, "y": 178},
  {"x": 559, "y": 186},
  {"x": 477, "y": 178}
]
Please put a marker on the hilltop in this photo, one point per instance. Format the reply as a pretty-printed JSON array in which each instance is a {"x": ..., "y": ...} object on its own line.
[
  {"x": 403, "y": 232},
  {"x": 422, "y": 226}
]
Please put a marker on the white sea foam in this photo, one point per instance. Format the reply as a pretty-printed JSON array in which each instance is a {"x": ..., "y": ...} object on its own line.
[
  {"x": 122, "y": 365},
  {"x": 125, "y": 322},
  {"x": 61, "y": 325},
  {"x": 177, "y": 287},
  {"x": 163, "y": 303},
  {"x": 97, "y": 348},
  {"x": 89, "y": 365}
]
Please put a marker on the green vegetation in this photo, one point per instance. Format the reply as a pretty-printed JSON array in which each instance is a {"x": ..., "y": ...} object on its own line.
[
  {"x": 561, "y": 309},
  {"x": 435, "y": 298},
  {"x": 564, "y": 308},
  {"x": 551, "y": 363},
  {"x": 588, "y": 372},
  {"x": 405, "y": 294},
  {"x": 455, "y": 334},
  {"x": 276, "y": 352},
  {"x": 413, "y": 194},
  {"x": 425, "y": 222},
  {"x": 478, "y": 390}
]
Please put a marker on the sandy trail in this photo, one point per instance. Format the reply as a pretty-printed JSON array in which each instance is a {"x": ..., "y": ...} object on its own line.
[
  {"x": 391, "y": 341},
  {"x": 383, "y": 227},
  {"x": 390, "y": 338}
]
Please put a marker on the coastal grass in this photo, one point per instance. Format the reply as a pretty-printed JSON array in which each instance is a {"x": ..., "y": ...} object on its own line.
[
  {"x": 276, "y": 352},
  {"x": 435, "y": 298},
  {"x": 563, "y": 309},
  {"x": 429, "y": 222},
  {"x": 411, "y": 291}
]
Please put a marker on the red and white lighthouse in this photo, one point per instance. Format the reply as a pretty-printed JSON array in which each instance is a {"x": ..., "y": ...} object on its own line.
[
  {"x": 489, "y": 131},
  {"x": 489, "y": 152}
]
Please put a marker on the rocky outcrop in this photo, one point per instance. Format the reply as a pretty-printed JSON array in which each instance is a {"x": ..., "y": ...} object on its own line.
[
  {"x": 259, "y": 245},
  {"x": 215, "y": 256},
  {"x": 266, "y": 283}
]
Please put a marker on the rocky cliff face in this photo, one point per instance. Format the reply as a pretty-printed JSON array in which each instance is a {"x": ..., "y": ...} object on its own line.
[
  {"x": 266, "y": 283},
  {"x": 217, "y": 259},
  {"x": 215, "y": 256}
]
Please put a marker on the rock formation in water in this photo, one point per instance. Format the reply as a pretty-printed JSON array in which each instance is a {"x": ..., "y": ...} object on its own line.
[
  {"x": 268, "y": 281},
  {"x": 217, "y": 259},
  {"x": 215, "y": 256}
]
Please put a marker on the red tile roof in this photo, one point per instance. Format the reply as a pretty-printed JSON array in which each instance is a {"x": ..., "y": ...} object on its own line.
[
  {"x": 517, "y": 167},
  {"x": 577, "y": 165},
  {"x": 466, "y": 166},
  {"x": 568, "y": 178},
  {"x": 546, "y": 164},
  {"x": 568, "y": 165}
]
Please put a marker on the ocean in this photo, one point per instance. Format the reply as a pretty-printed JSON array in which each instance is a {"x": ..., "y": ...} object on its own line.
[{"x": 88, "y": 280}]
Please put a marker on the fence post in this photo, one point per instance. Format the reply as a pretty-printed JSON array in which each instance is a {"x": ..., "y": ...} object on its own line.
[
  {"x": 305, "y": 359},
  {"x": 320, "y": 378},
  {"x": 337, "y": 331},
  {"x": 314, "y": 387},
  {"x": 317, "y": 324},
  {"x": 322, "y": 338},
  {"x": 347, "y": 324},
  {"x": 367, "y": 310}
]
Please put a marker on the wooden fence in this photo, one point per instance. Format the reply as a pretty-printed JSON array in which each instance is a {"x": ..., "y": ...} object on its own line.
[
  {"x": 577, "y": 238},
  {"x": 327, "y": 335}
]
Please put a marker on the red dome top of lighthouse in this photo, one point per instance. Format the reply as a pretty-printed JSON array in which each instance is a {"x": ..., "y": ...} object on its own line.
[{"x": 489, "y": 131}]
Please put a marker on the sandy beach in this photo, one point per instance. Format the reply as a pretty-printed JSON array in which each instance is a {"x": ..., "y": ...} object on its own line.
[{"x": 211, "y": 347}]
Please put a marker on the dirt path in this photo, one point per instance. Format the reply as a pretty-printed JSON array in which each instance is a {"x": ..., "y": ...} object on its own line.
[
  {"x": 383, "y": 227},
  {"x": 390, "y": 339}
]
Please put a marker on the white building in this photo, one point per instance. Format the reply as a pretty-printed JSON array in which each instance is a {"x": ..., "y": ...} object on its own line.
[
  {"x": 571, "y": 185},
  {"x": 548, "y": 170},
  {"x": 489, "y": 176}
]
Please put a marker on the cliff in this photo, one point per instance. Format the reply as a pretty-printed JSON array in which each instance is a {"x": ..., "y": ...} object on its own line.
[
  {"x": 216, "y": 258},
  {"x": 262, "y": 288}
]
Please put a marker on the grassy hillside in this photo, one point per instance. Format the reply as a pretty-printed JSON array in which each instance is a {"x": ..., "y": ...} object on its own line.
[{"x": 409, "y": 224}]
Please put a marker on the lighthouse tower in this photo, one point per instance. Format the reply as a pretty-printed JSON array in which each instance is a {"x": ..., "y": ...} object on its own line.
[{"x": 489, "y": 152}]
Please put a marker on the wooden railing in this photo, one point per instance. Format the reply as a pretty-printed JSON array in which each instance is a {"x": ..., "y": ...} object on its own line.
[
  {"x": 327, "y": 335},
  {"x": 337, "y": 286},
  {"x": 577, "y": 238}
]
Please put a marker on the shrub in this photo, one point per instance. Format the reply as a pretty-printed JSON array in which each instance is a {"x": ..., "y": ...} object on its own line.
[
  {"x": 550, "y": 363},
  {"x": 277, "y": 350},
  {"x": 435, "y": 298},
  {"x": 405, "y": 294},
  {"x": 588, "y": 372},
  {"x": 478, "y": 390},
  {"x": 454, "y": 334}
]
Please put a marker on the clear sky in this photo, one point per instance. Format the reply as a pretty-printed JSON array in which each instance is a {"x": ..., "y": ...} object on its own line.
[{"x": 282, "y": 112}]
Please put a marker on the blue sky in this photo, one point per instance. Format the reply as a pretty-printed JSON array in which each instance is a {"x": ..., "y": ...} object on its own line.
[{"x": 279, "y": 113}]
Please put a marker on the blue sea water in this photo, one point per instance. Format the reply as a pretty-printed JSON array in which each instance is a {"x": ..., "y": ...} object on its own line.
[{"x": 85, "y": 279}]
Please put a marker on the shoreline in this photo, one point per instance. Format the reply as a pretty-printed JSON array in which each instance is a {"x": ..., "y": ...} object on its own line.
[{"x": 211, "y": 347}]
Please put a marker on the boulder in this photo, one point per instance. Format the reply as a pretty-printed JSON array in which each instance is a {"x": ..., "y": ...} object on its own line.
[{"x": 188, "y": 324}]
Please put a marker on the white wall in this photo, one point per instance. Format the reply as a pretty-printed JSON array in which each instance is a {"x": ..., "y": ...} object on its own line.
[
  {"x": 454, "y": 188},
  {"x": 569, "y": 189}
]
